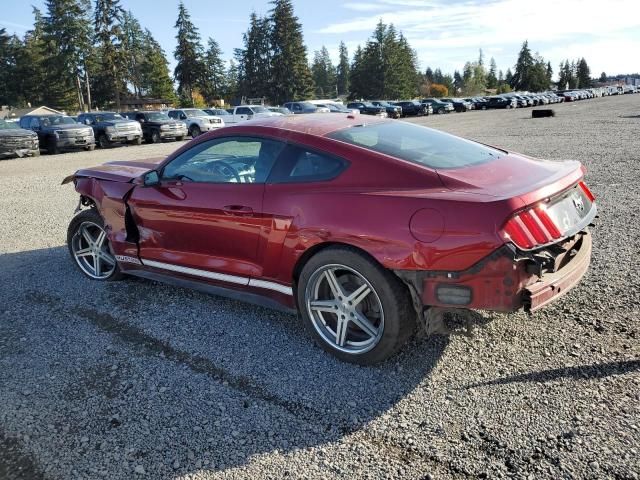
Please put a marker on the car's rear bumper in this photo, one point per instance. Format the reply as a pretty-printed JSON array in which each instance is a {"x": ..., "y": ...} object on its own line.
[{"x": 507, "y": 280}]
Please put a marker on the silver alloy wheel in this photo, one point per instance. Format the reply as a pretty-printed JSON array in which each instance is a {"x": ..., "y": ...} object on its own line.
[
  {"x": 91, "y": 251},
  {"x": 344, "y": 308}
]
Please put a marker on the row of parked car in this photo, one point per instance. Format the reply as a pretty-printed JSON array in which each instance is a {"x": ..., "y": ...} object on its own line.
[{"x": 55, "y": 133}]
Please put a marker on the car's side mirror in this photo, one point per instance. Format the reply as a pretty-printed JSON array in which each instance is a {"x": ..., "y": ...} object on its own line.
[
  {"x": 151, "y": 178},
  {"x": 141, "y": 120}
]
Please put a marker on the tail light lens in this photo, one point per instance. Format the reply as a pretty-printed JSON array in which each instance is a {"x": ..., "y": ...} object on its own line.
[
  {"x": 587, "y": 192},
  {"x": 531, "y": 228}
]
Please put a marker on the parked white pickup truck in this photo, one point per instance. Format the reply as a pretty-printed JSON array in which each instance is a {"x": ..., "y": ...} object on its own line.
[
  {"x": 242, "y": 113},
  {"x": 197, "y": 121}
]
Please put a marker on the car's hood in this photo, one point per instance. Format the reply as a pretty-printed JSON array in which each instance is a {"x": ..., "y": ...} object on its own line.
[
  {"x": 118, "y": 171},
  {"x": 15, "y": 132},
  {"x": 514, "y": 175}
]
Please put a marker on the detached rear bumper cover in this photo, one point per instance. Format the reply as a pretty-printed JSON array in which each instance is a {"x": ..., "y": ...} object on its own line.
[
  {"x": 553, "y": 285},
  {"x": 505, "y": 281}
]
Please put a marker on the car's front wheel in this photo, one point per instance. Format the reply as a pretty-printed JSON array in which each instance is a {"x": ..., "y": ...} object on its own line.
[
  {"x": 354, "y": 308},
  {"x": 195, "y": 131},
  {"x": 89, "y": 247},
  {"x": 155, "y": 137}
]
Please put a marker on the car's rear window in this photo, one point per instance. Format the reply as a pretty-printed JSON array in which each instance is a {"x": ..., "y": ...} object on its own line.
[{"x": 417, "y": 144}]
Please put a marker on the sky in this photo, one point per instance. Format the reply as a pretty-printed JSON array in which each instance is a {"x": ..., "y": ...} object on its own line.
[{"x": 445, "y": 33}]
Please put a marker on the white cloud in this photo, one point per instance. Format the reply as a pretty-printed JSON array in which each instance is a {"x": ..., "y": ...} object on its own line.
[{"x": 445, "y": 33}]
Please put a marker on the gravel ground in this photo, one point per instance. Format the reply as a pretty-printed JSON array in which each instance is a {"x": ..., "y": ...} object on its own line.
[{"x": 135, "y": 379}]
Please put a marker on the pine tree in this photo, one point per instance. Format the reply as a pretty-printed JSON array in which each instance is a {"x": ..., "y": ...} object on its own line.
[
  {"x": 110, "y": 79},
  {"x": 523, "y": 69},
  {"x": 549, "y": 73},
  {"x": 155, "y": 79},
  {"x": 603, "y": 77},
  {"x": 386, "y": 67},
  {"x": 492, "y": 80},
  {"x": 66, "y": 43},
  {"x": 231, "y": 81},
  {"x": 7, "y": 70},
  {"x": 324, "y": 74},
  {"x": 342, "y": 72},
  {"x": 291, "y": 77},
  {"x": 429, "y": 75},
  {"x": 255, "y": 59},
  {"x": 583, "y": 74},
  {"x": 357, "y": 80},
  {"x": 458, "y": 81},
  {"x": 189, "y": 70},
  {"x": 133, "y": 44},
  {"x": 214, "y": 72},
  {"x": 508, "y": 77}
]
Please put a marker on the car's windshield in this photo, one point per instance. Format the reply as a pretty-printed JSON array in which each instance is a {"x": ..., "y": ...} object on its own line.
[
  {"x": 417, "y": 144},
  {"x": 259, "y": 109},
  {"x": 194, "y": 112},
  {"x": 56, "y": 120},
  {"x": 156, "y": 116},
  {"x": 4, "y": 125},
  {"x": 217, "y": 111},
  {"x": 307, "y": 105},
  {"x": 334, "y": 107},
  {"x": 105, "y": 117},
  {"x": 368, "y": 104}
]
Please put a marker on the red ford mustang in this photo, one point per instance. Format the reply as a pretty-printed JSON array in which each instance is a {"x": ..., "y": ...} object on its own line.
[{"x": 362, "y": 225}]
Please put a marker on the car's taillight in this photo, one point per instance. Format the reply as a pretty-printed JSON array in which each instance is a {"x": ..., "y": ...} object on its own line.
[
  {"x": 530, "y": 228},
  {"x": 587, "y": 192}
]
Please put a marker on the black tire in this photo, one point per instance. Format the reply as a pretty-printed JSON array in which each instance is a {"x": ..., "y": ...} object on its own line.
[
  {"x": 35, "y": 153},
  {"x": 155, "y": 137},
  {"x": 137, "y": 141},
  {"x": 194, "y": 131},
  {"x": 484, "y": 107},
  {"x": 91, "y": 216},
  {"x": 180, "y": 138},
  {"x": 90, "y": 148},
  {"x": 398, "y": 313},
  {"x": 52, "y": 146},
  {"x": 440, "y": 111},
  {"x": 103, "y": 141}
]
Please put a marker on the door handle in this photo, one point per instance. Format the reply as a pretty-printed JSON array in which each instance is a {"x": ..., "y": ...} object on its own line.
[{"x": 237, "y": 210}]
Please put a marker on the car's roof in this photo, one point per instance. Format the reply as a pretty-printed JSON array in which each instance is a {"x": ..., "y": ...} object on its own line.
[{"x": 319, "y": 124}]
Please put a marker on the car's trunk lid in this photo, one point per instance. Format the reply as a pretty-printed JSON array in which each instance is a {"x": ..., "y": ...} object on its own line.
[{"x": 514, "y": 175}]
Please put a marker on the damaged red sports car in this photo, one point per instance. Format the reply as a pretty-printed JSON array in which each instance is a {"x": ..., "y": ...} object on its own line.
[{"x": 364, "y": 226}]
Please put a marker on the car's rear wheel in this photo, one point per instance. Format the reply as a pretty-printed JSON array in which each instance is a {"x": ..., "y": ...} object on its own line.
[
  {"x": 354, "y": 308},
  {"x": 195, "y": 131},
  {"x": 89, "y": 247}
]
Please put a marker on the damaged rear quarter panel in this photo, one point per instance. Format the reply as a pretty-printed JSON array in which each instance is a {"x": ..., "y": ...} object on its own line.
[{"x": 110, "y": 200}]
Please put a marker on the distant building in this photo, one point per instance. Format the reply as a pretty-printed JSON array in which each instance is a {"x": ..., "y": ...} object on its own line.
[{"x": 11, "y": 113}]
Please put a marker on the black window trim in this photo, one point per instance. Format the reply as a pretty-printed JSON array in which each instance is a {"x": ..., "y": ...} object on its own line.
[{"x": 308, "y": 179}]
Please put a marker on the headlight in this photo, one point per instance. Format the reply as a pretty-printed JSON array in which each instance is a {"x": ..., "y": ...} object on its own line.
[{"x": 110, "y": 129}]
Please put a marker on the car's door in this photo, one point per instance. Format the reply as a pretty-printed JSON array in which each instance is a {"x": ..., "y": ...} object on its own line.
[
  {"x": 205, "y": 215},
  {"x": 243, "y": 113}
]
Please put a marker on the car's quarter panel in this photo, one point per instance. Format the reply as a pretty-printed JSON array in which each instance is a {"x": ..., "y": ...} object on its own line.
[{"x": 194, "y": 225}]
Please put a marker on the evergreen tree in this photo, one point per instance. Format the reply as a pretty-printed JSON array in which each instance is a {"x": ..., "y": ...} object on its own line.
[
  {"x": 66, "y": 43},
  {"x": 342, "y": 72},
  {"x": 189, "y": 70},
  {"x": 523, "y": 69},
  {"x": 215, "y": 72},
  {"x": 549, "y": 73},
  {"x": 429, "y": 75},
  {"x": 583, "y": 74},
  {"x": 255, "y": 59},
  {"x": 110, "y": 80},
  {"x": 231, "y": 81},
  {"x": 357, "y": 79},
  {"x": 7, "y": 68},
  {"x": 386, "y": 67},
  {"x": 603, "y": 77},
  {"x": 324, "y": 74},
  {"x": 155, "y": 79},
  {"x": 133, "y": 47},
  {"x": 437, "y": 76},
  {"x": 573, "y": 79},
  {"x": 291, "y": 77},
  {"x": 458, "y": 81},
  {"x": 492, "y": 80},
  {"x": 508, "y": 77}
]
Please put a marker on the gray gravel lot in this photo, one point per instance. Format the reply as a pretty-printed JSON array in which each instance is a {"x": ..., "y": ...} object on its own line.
[{"x": 135, "y": 379}]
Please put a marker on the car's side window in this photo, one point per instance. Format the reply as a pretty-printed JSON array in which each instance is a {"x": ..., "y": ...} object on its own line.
[
  {"x": 35, "y": 123},
  {"x": 298, "y": 164},
  {"x": 226, "y": 160},
  {"x": 243, "y": 111}
]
